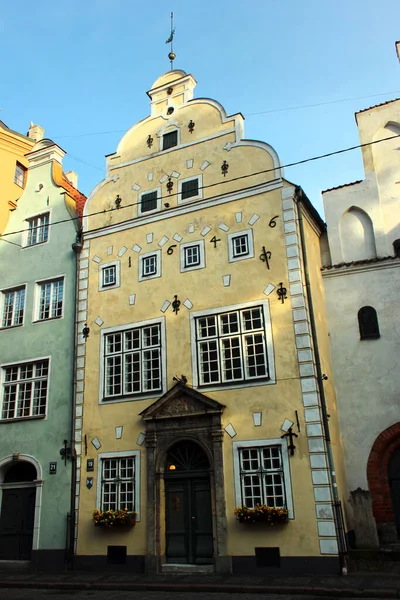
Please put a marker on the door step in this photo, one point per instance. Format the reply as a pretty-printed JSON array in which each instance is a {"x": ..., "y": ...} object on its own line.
[
  {"x": 185, "y": 568},
  {"x": 15, "y": 565}
]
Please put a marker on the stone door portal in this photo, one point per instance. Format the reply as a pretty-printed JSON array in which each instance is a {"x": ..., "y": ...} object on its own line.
[{"x": 189, "y": 534}]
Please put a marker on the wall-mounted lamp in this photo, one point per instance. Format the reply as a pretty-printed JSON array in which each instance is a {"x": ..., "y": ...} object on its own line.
[
  {"x": 191, "y": 126},
  {"x": 117, "y": 201},
  {"x": 85, "y": 332},
  {"x": 66, "y": 452},
  {"x": 289, "y": 434}
]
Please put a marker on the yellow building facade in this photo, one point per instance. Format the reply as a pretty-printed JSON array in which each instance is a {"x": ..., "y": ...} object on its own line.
[
  {"x": 13, "y": 169},
  {"x": 197, "y": 354}
]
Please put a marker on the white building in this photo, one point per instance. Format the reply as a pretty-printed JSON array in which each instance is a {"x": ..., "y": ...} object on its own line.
[{"x": 362, "y": 287}]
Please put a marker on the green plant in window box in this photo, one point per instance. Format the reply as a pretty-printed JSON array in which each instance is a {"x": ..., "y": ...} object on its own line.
[
  {"x": 114, "y": 518},
  {"x": 262, "y": 514}
]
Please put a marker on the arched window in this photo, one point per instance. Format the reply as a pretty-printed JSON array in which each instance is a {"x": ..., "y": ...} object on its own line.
[{"x": 368, "y": 323}]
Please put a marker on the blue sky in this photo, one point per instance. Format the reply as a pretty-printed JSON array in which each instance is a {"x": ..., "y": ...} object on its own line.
[{"x": 81, "y": 70}]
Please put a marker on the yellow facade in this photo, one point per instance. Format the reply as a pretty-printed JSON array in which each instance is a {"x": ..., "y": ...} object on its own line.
[
  {"x": 248, "y": 198},
  {"x": 13, "y": 147}
]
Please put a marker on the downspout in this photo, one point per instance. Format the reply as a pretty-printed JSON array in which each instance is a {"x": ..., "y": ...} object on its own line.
[
  {"x": 76, "y": 247},
  {"x": 342, "y": 546}
]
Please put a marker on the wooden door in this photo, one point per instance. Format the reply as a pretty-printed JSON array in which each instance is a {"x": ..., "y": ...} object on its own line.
[
  {"x": 189, "y": 537},
  {"x": 16, "y": 523}
]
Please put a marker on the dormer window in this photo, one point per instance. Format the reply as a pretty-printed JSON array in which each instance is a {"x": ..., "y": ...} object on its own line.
[
  {"x": 190, "y": 189},
  {"x": 169, "y": 140},
  {"x": 149, "y": 201}
]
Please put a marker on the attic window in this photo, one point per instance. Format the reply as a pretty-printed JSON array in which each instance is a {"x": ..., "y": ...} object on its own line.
[{"x": 170, "y": 140}]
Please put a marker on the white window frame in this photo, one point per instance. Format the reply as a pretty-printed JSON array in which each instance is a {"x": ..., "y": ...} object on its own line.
[
  {"x": 236, "y": 446},
  {"x": 142, "y": 257},
  {"x": 202, "y": 262},
  {"x": 128, "y": 454},
  {"x": 2, "y": 382},
  {"x": 170, "y": 130},
  {"x": 25, "y": 234},
  {"x": 250, "y": 243},
  {"x": 198, "y": 196},
  {"x": 3, "y": 293},
  {"x": 36, "y": 304},
  {"x": 158, "y": 207},
  {"x": 117, "y": 265},
  {"x": 163, "y": 362},
  {"x": 269, "y": 342}
]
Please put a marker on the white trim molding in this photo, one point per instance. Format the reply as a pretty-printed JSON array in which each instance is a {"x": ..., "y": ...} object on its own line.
[
  {"x": 153, "y": 210},
  {"x": 183, "y": 255},
  {"x": 232, "y": 257},
  {"x": 117, "y": 265},
  {"x": 143, "y": 258},
  {"x": 163, "y": 360},
  {"x": 37, "y": 483},
  {"x": 243, "y": 383},
  {"x": 197, "y": 196},
  {"x": 127, "y": 454},
  {"x": 236, "y": 446}
]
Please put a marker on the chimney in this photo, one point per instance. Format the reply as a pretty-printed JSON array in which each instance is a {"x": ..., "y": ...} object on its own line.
[
  {"x": 72, "y": 178},
  {"x": 36, "y": 133}
]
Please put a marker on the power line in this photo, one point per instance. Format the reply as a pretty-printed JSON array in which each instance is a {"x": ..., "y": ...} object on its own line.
[
  {"x": 254, "y": 174},
  {"x": 262, "y": 112},
  {"x": 275, "y": 110}
]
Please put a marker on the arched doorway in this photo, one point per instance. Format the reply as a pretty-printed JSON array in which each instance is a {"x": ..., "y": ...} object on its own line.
[
  {"x": 383, "y": 474},
  {"x": 188, "y": 515},
  {"x": 394, "y": 485},
  {"x": 17, "y": 511}
]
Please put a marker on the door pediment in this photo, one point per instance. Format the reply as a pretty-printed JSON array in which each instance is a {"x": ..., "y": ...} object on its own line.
[{"x": 181, "y": 401}]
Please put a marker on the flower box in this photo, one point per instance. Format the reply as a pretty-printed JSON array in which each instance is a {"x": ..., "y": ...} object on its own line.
[
  {"x": 115, "y": 519},
  {"x": 272, "y": 515}
]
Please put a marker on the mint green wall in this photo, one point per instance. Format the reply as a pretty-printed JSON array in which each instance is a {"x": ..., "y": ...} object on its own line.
[{"x": 43, "y": 439}]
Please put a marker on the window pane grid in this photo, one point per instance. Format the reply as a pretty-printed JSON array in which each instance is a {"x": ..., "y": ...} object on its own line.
[
  {"x": 149, "y": 265},
  {"x": 192, "y": 256},
  {"x": 227, "y": 348},
  {"x": 261, "y": 475},
  {"x": 118, "y": 484},
  {"x": 240, "y": 245},
  {"x": 25, "y": 390},
  {"x": 13, "y": 308},
  {"x": 133, "y": 362},
  {"x": 51, "y": 299},
  {"x": 109, "y": 275},
  {"x": 38, "y": 230}
]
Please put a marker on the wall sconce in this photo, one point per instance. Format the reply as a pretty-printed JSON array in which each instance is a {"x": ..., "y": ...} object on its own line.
[
  {"x": 170, "y": 185},
  {"x": 224, "y": 168},
  {"x": 149, "y": 141},
  {"x": 66, "y": 452},
  {"x": 191, "y": 126},
  {"x": 289, "y": 434},
  {"x": 85, "y": 332},
  {"x": 117, "y": 201}
]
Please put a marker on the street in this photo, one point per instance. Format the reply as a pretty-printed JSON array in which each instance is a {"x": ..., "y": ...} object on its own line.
[{"x": 32, "y": 594}]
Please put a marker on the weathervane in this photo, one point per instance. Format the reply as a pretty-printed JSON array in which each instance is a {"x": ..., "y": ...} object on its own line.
[{"x": 172, "y": 54}]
